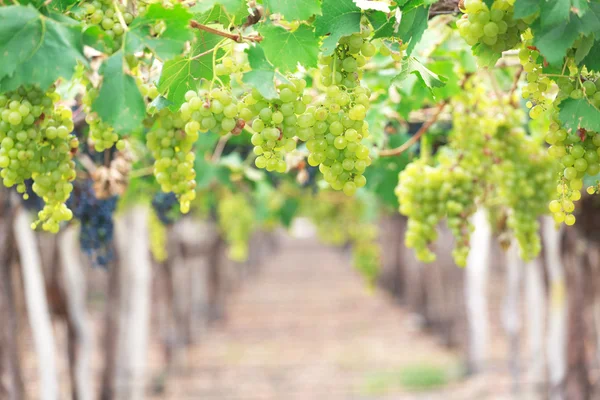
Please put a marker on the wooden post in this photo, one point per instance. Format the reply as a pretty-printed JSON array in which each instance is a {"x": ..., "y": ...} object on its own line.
[{"x": 37, "y": 306}]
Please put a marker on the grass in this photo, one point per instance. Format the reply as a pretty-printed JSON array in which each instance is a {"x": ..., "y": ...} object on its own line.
[{"x": 417, "y": 377}]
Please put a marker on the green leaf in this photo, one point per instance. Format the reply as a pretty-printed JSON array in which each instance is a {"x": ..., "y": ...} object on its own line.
[
  {"x": 183, "y": 73},
  {"x": 526, "y": 8},
  {"x": 554, "y": 12},
  {"x": 62, "y": 5},
  {"x": 339, "y": 18},
  {"x": 579, "y": 113},
  {"x": 96, "y": 37},
  {"x": 236, "y": 10},
  {"x": 286, "y": 49},
  {"x": 36, "y": 49},
  {"x": 214, "y": 15},
  {"x": 160, "y": 103},
  {"x": 486, "y": 57},
  {"x": 592, "y": 60},
  {"x": 119, "y": 102},
  {"x": 262, "y": 73},
  {"x": 426, "y": 77},
  {"x": 171, "y": 42},
  {"x": 584, "y": 47},
  {"x": 288, "y": 211},
  {"x": 410, "y": 29},
  {"x": 293, "y": 10}
]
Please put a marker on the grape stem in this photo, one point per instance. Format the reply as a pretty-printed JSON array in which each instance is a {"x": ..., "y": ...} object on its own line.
[
  {"x": 220, "y": 146},
  {"x": 236, "y": 38},
  {"x": 515, "y": 85},
  {"x": 424, "y": 128},
  {"x": 415, "y": 138},
  {"x": 141, "y": 172}
]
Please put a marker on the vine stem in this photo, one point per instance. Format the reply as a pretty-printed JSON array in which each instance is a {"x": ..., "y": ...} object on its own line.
[
  {"x": 415, "y": 138},
  {"x": 423, "y": 129},
  {"x": 138, "y": 173},
  {"x": 220, "y": 146},
  {"x": 232, "y": 36},
  {"x": 515, "y": 85}
]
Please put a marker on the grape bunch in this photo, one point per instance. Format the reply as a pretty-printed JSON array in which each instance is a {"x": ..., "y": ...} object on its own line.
[
  {"x": 494, "y": 29},
  {"x": 157, "y": 236},
  {"x": 429, "y": 194},
  {"x": 366, "y": 253},
  {"x": 236, "y": 221},
  {"x": 339, "y": 122},
  {"x": 36, "y": 143},
  {"x": 96, "y": 222},
  {"x": 278, "y": 122},
  {"x": 216, "y": 111},
  {"x": 537, "y": 84},
  {"x": 101, "y": 134},
  {"x": 171, "y": 140},
  {"x": 163, "y": 205},
  {"x": 105, "y": 15},
  {"x": 525, "y": 181}
]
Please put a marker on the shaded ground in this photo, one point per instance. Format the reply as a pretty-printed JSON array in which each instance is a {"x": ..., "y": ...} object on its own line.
[{"x": 307, "y": 328}]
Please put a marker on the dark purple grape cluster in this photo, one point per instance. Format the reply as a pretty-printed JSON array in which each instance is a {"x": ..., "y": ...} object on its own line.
[
  {"x": 164, "y": 205},
  {"x": 96, "y": 219}
]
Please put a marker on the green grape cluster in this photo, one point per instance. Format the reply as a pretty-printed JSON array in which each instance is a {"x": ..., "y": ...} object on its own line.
[
  {"x": 339, "y": 122},
  {"x": 493, "y": 28},
  {"x": 236, "y": 222},
  {"x": 277, "y": 123},
  {"x": 105, "y": 14},
  {"x": 430, "y": 194},
  {"x": 526, "y": 180},
  {"x": 101, "y": 134},
  {"x": 537, "y": 84},
  {"x": 216, "y": 111},
  {"x": 36, "y": 143},
  {"x": 171, "y": 140}
]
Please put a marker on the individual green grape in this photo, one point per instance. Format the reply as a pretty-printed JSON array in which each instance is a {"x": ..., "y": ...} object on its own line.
[
  {"x": 236, "y": 222},
  {"x": 171, "y": 140}
]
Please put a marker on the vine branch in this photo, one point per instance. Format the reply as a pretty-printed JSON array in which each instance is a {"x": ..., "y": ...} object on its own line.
[
  {"x": 423, "y": 129},
  {"x": 415, "y": 138},
  {"x": 235, "y": 37}
]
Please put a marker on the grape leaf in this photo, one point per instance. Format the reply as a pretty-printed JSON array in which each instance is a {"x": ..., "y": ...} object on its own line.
[
  {"x": 171, "y": 42},
  {"x": 554, "y": 41},
  {"x": 288, "y": 211},
  {"x": 526, "y": 8},
  {"x": 161, "y": 103},
  {"x": 285, "y": 49},
  {"x": 119, "y": 103},
  {"x": 215, "y": 14},
  {"x": 293, "y": 10},
  {"x": 425, "y": 76},
  {"x": 262, "y": 74},
  {"x": 584, "y": 47},
  {"x": 579, "y": 114},
  {"x": 96, "y": 37},
  {"x": 183, "y": 73},
  {"x": 592, "y": 60},
  {"x": 486, "y": 57},
  {"x": 62, "y": 5},
  {"x": 554, "y": 12},
  {"x": 409, "y": 30},
  {"x": 236, "y": 10},
  {"x": 36, "y": 49},
  {"x": 339, "y": 18}
]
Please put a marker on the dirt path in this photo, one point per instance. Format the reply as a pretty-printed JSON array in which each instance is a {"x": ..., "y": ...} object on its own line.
[{"x": 307, "y": 328}]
